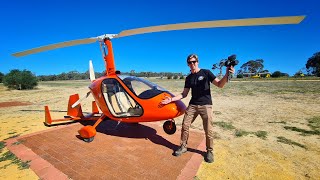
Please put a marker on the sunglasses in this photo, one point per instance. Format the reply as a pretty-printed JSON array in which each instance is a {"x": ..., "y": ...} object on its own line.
[{"x": 192, "y": 62}]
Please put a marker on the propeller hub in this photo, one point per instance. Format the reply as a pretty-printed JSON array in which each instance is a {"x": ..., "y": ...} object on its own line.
[{"x": 106, "y": 36}]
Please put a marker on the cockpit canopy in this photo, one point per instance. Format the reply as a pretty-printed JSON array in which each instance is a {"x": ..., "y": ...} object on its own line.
[
  {"x": 120, "y": 103},
  {"x": 142, "y": 88}
]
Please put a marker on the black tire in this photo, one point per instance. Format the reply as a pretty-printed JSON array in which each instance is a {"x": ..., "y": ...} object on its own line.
[
  {"x": 169, "y": 127},
  {"x": 88, "y": 139}
]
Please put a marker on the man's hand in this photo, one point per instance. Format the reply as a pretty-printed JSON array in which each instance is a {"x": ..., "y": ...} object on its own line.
[
  {"x": 166, "y": 100},
  {"x": 230, "y": 70}
]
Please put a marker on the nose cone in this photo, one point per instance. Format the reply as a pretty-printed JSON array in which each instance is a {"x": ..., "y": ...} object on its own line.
[
  {"x": 175, "y": 109},
  {"x": 181, "y": 108}
]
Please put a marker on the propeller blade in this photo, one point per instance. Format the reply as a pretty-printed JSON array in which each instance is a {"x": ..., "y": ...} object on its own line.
[
  {"x": 78, "y": 102},
  {"x": 91, "y": 71},
  {"x": 55, "y": 46},
  {"x": 214, "y": 24}
]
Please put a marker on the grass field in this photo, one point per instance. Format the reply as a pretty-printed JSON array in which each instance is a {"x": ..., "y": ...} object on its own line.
[{"x": 264, "y": 129}]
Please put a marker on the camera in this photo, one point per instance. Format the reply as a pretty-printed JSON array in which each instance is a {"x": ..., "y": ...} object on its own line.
[{"x": 231, "y": 61}]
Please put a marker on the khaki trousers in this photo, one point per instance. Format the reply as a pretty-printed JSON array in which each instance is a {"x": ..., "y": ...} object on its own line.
[{"x": 205, "y": 111}]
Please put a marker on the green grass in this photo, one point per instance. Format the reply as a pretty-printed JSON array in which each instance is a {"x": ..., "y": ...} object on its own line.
[
  {"x": 13, "y": 158},
  {"x": 252, "y": 87},
  {"x": 314, "y": 123},
  {"x": 216, "y": 112},
  {"x": 290, "y": 142},
  {"x": 196, "y": 178},
  {"x": 12, "y": 133},
  {"x": 280, "y": 122},
  {"x": 240, "y": 133},
  {"x": 224, "y": 125},
  {"x": 259, "y": 134},
  {"x": 303, "y": 131},
  {"x": 14, "y": 136},
  {"x": 270, "y": 87},
  {"x": 18, "y": 142},
  {"x": 2, "y": 145},
  {"x": 9, "y": 156}
]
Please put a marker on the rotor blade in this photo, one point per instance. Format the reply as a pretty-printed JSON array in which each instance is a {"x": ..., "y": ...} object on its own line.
[
  {"x": 214, "y": 24},
  {"x": 78, "y": 102},
  {"x": 55, "y": 46},
  {"x": 171, "y": 27},
  {"x": 91, "y": 71}
]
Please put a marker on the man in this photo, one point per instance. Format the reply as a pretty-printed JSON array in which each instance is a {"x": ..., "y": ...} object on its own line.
[{"x": 200, "y": 104}]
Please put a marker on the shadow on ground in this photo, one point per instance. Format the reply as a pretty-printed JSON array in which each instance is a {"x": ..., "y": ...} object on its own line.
[{"x": 135, "y": 130}]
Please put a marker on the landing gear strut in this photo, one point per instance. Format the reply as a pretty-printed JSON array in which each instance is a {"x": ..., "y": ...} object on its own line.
[{"x": 169, "y": 127}]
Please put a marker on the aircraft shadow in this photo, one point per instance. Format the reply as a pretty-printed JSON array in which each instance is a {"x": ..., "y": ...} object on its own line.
[
  {"x": 41, "y": 110},
  {"x": 135, "y": 130}
]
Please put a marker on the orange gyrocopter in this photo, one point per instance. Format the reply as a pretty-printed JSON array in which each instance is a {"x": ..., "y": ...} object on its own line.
[{"x": 128, "y": 98}]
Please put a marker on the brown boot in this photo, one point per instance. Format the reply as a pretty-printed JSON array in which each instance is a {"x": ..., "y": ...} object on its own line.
[
  {"x": 180, "y": 151},
  {"x": 209, "y": 157}
]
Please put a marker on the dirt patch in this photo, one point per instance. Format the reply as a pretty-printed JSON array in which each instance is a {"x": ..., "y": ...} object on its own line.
[
  {"x": 14, "y": 103},
  {"x": 241, "y": 111}
]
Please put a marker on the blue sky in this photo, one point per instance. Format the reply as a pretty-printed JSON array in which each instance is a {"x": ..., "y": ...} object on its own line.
[{"x": 34, "y": 23}]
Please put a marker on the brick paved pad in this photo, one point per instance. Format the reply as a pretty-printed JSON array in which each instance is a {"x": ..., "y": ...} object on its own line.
[{"x": 119, "y": 151}]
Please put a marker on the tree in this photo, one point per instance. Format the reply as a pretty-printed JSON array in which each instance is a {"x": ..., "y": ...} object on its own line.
[
  {"x": 252, "y": 66},
  {"x": 313, "y": 63},
  {"x": 239, "y": 75},
  {"x": 222, "y": 63},
  {"x": 20, "y": 80},
  {"x": 279, "y": 74},
  {"x": 1, "y": 77},
  {"x": 132, "y": 72},
  {"x": 276, "y": 74}
]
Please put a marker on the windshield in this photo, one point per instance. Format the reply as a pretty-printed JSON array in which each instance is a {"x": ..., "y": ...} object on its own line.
[{"x": 142, "y": 88}]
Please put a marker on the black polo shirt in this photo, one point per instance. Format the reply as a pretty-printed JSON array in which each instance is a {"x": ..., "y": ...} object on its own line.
[{"x": 200, "y": 87}]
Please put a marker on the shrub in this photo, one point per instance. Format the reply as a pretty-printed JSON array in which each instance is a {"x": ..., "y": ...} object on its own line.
[
  {"x": 175, "y": 77},
  {"x": 20, "y": 80},
  {"x": 239, "y": 75},
  {"x": 1, "y": 77},
  {"x": 276, "y": 74}
]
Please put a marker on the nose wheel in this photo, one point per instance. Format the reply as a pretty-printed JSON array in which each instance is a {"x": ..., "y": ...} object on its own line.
[
  {"x": 88, "y": 139},
  {"x": 169, "y": 127}
]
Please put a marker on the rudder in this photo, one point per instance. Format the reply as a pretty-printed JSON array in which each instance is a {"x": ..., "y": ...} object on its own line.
[{"x": 76, "y": 111}]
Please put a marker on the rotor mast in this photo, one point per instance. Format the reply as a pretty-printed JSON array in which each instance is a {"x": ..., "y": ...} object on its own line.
[{"x": 105, "y": 42}]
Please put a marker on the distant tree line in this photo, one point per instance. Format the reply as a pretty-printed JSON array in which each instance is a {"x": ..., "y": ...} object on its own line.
[
  {"x": 312, "y": 68},
  {"x": 72, "y": 75},
  {"x": 75, "y": 75},
  {"x": 152, "y": 74},
  {"x": 17, "y": 79},
  {"x": 1, "y": 77}
]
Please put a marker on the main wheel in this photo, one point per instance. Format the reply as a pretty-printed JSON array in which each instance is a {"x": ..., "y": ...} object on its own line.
[{"x": 169, "y": 127}]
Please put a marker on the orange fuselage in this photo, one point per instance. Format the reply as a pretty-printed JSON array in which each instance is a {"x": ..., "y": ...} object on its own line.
[{"x": 152, "y": 109}]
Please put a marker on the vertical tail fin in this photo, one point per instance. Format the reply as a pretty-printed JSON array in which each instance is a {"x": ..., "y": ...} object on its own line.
[
  {"x": 48, "y": 119},
  {"x": 77, "y": 110},
  {"x": 95, "y": 109}
]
